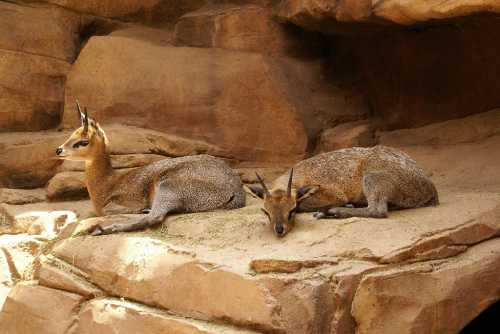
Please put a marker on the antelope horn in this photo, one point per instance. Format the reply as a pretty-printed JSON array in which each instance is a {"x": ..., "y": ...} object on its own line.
[
  {"x": 289, "y": 188},
  {"x": 263, "y": 184},
  {"x": 86, "y": 120},
  {"x": 79, "y": 111}
]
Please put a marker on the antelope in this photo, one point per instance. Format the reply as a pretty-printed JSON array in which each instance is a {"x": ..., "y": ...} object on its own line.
[
  {"x": 178, "y": 185},
  {"x": 352, "y": 182}
]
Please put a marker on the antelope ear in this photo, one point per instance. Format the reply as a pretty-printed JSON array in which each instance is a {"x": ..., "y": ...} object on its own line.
[
  {"x": 255, "y": 191},
  {"x": 305, "y": 192}
]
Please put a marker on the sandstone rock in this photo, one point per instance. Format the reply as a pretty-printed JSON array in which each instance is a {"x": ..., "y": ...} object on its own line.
[
  {"x": 435, "y": 297},
  {"x": 4, "y": 292},
  {"x": 67, "y": 186},
  {"x": 7, "y": 222},
  {"x": 21, "y": 196},
  {"x": 115, "y": 316},
  {"x": 246, "y": 28},
  {"x": 468, "y": 129},
  {"x": 36, "y": 309},
  {"x": 21, "y": 252},
  {"x": 37, "y": 30},
  {"x": 29, "y": 159},
  {"x": 7, "y": 277},
  {"x": 56, "y": 274},
  {"x": 148, "y": 11},
  {"x": 32, "y": 90},
  {"x": 179, "y": 275},
  {"x": 411, "y": 12},
  {"x": 346, "y": 135},
  {"x": 323, "y": 15},
  {"x": 243, "y": 102}
]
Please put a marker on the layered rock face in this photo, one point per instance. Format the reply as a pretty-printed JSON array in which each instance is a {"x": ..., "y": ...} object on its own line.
[{"x": 260, "y": 84}]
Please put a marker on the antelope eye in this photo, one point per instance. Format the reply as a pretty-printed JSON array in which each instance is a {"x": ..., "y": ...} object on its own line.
[
  {"x": 80, "y": 143},
  {"x": 267, "y": 213}
]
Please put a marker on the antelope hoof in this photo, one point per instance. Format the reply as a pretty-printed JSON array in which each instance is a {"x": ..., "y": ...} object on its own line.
[
  {"x": 96, "y": 230},
  {"x": 319, "y": 215}
]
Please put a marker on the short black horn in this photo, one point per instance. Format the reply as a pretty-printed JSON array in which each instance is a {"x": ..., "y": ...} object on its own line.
[
  {"x": 289, "y": 188},
  {"x": 263, "y": 184}
]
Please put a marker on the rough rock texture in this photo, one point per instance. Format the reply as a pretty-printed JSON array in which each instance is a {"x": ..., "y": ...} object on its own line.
[
  {"x": 244, "y": 102},
  {"x": 37, "y": 309},
  {"x": 244, "y": 28},
  {"x": 433, "y": 297},
  {"x": 34, "y": 61},
  {"x": 323, "y": 14},
  {"x": 149, "y": 11},
  {"x": 346, "y": 135}
]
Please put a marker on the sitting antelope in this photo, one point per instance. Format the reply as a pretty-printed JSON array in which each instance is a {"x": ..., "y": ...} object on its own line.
[
  {"x": 376, "y": 178},
  {"x": 187, "y": 184}
]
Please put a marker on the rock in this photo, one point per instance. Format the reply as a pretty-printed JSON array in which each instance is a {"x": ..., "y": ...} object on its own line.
[
  {"x": 4, "y": 292},
  {"x": 468, "y": 129},
  {"x": 29, "y": 159},
  {"x": 150, "y": 11},
  {"x": 38, "y": 30},
  {"x": 346, "y": 135},
  {"x": 323, "y": 15},
  {"x": 411, "y": 12},
  {"x": 188, "y": 287},
  {"x": 429, "y": 297},
  {"x": 115, "y": 316},
  {"x": 36, "y": 309},
  {"x": 34, "y": 61},
  {"x": 7, "y": 276},
  {"x": 67, "y": 186},
  {"x": 403, "y": 96},
  {"x": 32, "y": 90},
  {"x": 56, "y": 274},
  {"x": 7, "y": 222},
  {"x": 21, "y": 196},
  {"x": 232, "y": 89},
  {"x": 267, "y": 172},
  {"x": 245, "y": 28},
  {"x": 21, "y": 252}
]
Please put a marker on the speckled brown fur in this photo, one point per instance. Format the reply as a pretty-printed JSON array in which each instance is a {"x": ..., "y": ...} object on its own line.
[
  {"x": 371, "y": 179},
  {"x": 187, "y": 184}
]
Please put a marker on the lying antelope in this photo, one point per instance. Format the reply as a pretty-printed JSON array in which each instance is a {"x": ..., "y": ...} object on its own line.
[
  {"x": 372, "y": 179},
  {"x": 188, "y": 184}
]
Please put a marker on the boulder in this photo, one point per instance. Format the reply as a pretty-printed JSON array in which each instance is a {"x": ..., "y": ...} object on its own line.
[
  {"x": 28, "y": 159},
  {"x": 246, "y": 28},
  {"x": 21, "y": 252},
  {"x": 325, "y": 16},
  {"x": 149, "y": 11},
  {"x": 346, "y": 135},
  {"x": 21, "y": 196},
  {"x": 243, "y": 102},
  {"x": 67, "y": 186},
  {"x": 47, "y": 32},
  {"x": 35, "y": 309},
  {"x": 118, "y": 316},
  {"x": 32, "y": 90},
  {"x": 436, "y": 297}
]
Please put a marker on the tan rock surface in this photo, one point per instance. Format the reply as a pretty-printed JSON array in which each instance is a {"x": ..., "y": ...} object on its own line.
[
  {"x": 67, "y": 186},
  {"x": 243, "y": 102},
  {"x": 37, "y": 309},
  {"x": 318, "y": 14},
  {"x": 433, "y": 297},
  {"x": 111, "y": 315},
  {"x": 350, "y": 134},
  {"x": 21, "y": 252},
  {"x": 245, "y": 28},
  {"x": 21, "y": 196}
]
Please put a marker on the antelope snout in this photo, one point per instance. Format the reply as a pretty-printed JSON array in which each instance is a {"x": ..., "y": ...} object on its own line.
[{"x": 59, "y": 151}]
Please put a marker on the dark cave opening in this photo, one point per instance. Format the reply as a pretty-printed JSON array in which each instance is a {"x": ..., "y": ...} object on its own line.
[{"x": 486, "y": 322}]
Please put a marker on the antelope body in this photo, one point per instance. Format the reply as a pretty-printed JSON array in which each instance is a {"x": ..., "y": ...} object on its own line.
[
  {"x": 371, "y": 179},
  {"x": 187, "y": 184}
]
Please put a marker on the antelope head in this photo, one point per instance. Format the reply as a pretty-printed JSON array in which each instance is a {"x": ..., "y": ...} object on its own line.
[
  {"x": 85, "y": 142},
  {"x": 280, "y": 206}
]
